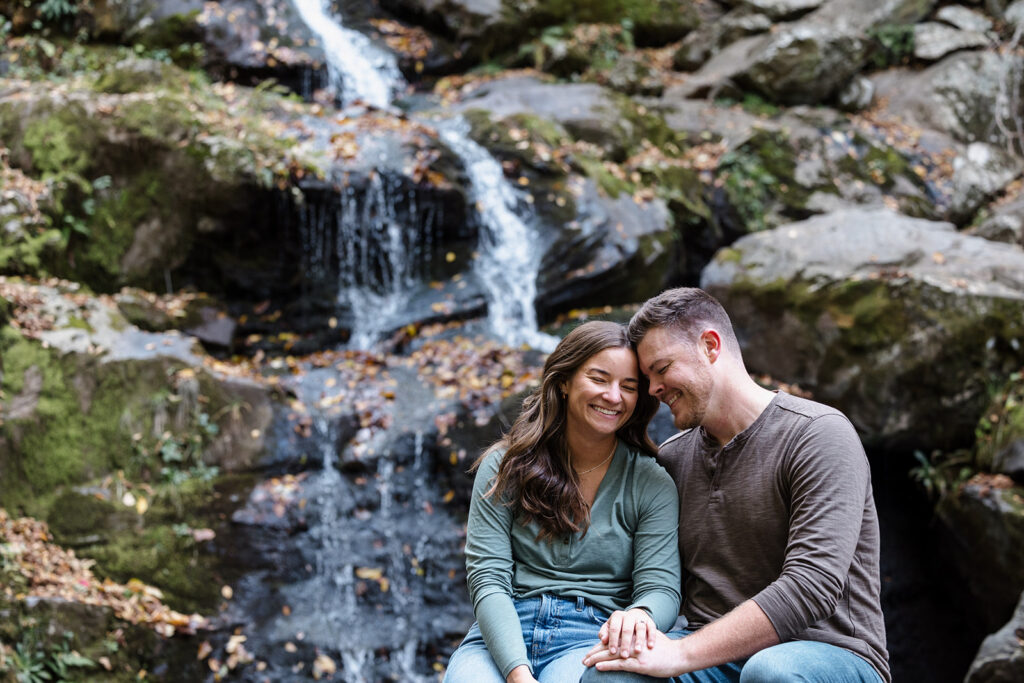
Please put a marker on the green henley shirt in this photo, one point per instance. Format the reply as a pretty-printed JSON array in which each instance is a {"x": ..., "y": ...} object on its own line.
[{"x": 627, "y": 558}]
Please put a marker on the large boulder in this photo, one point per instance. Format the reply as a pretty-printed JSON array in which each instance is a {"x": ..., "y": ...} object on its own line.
[
  {"x": 1000, "y": 658},
  {"x": 586, "y": 111},
  {"x": 138, "y": 165},
  {"x": 861, "y": 306},
  {"x": 480, "y": 29},
  {"x": 805, "y": 61},
  {"x": 616, "y": 251},
  {"x": 86, "y": 394},
  {"x": 967, "y": 95}
]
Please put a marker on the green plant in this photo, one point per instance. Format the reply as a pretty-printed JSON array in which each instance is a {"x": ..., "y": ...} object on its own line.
[
  {"x": 29, "y": 664},
  {"x": 942, "y": 472},
  {"x": 893, "y": 44},
  {"x": 56, "y": 10}
]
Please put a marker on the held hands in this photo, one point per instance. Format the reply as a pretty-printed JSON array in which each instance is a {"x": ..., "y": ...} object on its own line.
[
  {"x": 626, "y": 634},
  {"x": 660, "y": 660}
]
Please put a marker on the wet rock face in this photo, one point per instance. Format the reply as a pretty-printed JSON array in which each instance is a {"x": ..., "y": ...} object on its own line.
[
  {"x": 860, "y": 306},
  {"x": 984, "y": 525},
  {"x": 1001, "y": 656}
]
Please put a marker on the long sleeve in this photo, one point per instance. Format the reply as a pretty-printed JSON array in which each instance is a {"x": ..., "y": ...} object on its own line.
[
  {"x": 656, "y": 572},
  {"x": 829, "y": 482},
  {"x": 489, "y": 568}
]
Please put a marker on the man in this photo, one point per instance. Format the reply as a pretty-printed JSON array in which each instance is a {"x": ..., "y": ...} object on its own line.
[{"x": 778, "y": 534}]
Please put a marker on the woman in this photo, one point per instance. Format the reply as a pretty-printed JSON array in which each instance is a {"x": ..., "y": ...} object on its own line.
[{"x": 571, "y": 523}]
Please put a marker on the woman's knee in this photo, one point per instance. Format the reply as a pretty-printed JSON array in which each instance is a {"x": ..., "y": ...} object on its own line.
[{"x": 472, "y": 665}]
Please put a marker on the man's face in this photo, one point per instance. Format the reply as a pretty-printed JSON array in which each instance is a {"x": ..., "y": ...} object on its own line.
[{"x": 680, "y": 375}]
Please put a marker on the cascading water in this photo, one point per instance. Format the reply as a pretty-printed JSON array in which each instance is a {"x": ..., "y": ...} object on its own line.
[
  {"x": 359, "y": 70},
  {"x": 508, "y": 260},
  {"x": 507, "y": 263}
]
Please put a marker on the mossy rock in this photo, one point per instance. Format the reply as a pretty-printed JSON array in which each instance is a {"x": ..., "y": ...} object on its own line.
[
  {"x": 814, "y": 307},
  {"x": 72, "y": 426},
  {"x": 140, "y": 75},
  {"x": 78, "y": 519}
]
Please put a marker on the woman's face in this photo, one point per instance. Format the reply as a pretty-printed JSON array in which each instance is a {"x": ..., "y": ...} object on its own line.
[{"x": 602, "y": 393}]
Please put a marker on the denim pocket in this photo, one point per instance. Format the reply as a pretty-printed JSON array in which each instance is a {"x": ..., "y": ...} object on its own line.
[{"x": 597, "y": 615}]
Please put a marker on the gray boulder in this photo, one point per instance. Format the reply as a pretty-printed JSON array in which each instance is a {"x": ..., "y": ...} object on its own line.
[
  {"x": 983, "y": 525},
  {"x": 587, "y": 111},
  {"x": 1000, "y": 658},
  {"x": 616, "y": 251},
  {"x": 861, "y": 306},
  {"x": 967, "y": 95},
  {"x": 1010, "y": 461},
  {"x": 1005, "y": 223},
  {"x": 782, "y": 10},
  {"x": 978, "y": 174},
  {"x": 964, "y": 18},
  {"x": 933, "y": 41},
  {"x": 806, "y": 61}
]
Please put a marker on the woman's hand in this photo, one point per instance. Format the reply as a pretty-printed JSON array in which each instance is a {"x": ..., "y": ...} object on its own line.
[
  {"x": 627, "y": 633},
  {"x": 520, "y": 674}
]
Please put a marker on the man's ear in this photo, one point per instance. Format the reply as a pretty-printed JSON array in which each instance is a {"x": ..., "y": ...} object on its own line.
[{"x": 711, "y": 343}]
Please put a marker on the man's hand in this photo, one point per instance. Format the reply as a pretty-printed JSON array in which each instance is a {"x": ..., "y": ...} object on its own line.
[
  {"x": 661, "y": 661},
  {"x": 626, "y": 633}
]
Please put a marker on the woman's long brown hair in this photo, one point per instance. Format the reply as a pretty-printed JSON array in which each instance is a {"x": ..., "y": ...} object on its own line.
[{"x": 536, "y": 476}]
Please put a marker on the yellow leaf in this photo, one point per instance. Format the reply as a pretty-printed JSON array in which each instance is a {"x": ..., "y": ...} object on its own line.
[
  {"x": 450, "y": 256},
  {"x": 324, "y": 666},
  {"x": 204, "y": 650},
  {"x": 369, "y": 572},
  {"x": 141, "y": 505},
  {"x": 227, "y": 592}
]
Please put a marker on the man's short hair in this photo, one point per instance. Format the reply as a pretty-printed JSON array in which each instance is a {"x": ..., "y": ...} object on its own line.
[{"x": 686, "y": 311}]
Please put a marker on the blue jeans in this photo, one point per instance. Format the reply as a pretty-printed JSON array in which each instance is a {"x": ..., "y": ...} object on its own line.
[
  {"x": 798, "y": 660},
  {"x": 558, "y": 632}
]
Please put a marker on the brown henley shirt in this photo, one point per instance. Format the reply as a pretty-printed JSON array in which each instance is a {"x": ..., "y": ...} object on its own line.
[{"x": 783, "y": 514}]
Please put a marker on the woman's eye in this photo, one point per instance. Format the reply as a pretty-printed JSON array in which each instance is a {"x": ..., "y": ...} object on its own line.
[{"x": 630, "y": 389}]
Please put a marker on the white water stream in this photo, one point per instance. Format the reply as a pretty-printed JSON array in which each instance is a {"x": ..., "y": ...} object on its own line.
[{"x": 508, "y": 257}]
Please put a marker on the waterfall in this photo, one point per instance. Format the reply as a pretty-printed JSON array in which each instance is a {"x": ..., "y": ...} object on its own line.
[
  {"x": 378, "y": 264},
  {"x": 359, "y": 70},
  {"x": 508, "y": 260}
]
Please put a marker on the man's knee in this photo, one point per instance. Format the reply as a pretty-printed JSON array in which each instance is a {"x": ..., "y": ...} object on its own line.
[
  {"x": 772, "y": 665},
  {"x": 592, "y": 675}
]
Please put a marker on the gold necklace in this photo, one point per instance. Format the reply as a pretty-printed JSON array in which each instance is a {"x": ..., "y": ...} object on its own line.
[{"x": 580, "y": 474}]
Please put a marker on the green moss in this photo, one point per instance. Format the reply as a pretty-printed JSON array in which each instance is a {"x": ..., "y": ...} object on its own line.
[
  {"x": 729, "y": 255},
  {"x": 25, "y": 253},
  {"x": 759, "y": 179},
  {"x": 112, "y": 226},
  {"x": 608, "y": 183},
  {"x": 61, "y": 142},
  {"x": 75, "y": 432},
  {"x": 892, "y": 44}
]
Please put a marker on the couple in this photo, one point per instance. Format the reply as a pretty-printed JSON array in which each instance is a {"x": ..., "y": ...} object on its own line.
[{"x": 571, "y": 550}]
